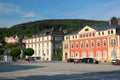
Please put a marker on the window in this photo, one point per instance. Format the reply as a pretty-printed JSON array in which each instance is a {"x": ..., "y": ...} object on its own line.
[
  {"x": 42, "y": 44},
  {"x": 66, "y": 38},
  {"x": 102, "y": 33},
  {"x": 73, "y": 37},
  {"x": 77, "y": 55},
  {"x": 86, "y": 29},
  {"x": 42, "y": 38},
  {"x": 99, "y": 54},
  {"x": 47, "y": 44},
  {"x": 65, "y": 46},
  {"x": 91, "y": 54},
  {"x": 76, "y": 44},
  {"x": 113, "y": 42},
  {"x": 83, "y": 35},
  {"x": 92, "y": 43},
  {"x": 90, "y": 35},
  {"x": 86, "y": 44},
  {"x": 76, "y": 36},
  {"x": 72, "y": 46},
  {"x": 108, "y": 32},
  {"x": 80, "y": 36},
  {"x": 105, "y": 54},
  {"x": 98, "y": 43},
  {"x": 111, "y": 31},
  {"x": 83, "y": 54},
  {"x": 86, "y": 35},
  {"x": 99, "y": 33},
  {"x": 93, "y": 34},
  {"x": 81, "y": 44},
  {"x": 104, "y": 42},
  {"x": 47, "y": 37},
  {"x": 43, "y": 53},
  {"x": 47, "y": 51},
  {"x": 39, "y": 52},
  {"x": 72, "y": 55},
  {"x": 113, "y": 54}
]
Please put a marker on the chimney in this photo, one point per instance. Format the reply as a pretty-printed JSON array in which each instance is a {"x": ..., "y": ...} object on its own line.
[
  {"x": 110, "y": 22},
  {"x": 118, "y": 21},
  {"x": 113, "y": 20}
]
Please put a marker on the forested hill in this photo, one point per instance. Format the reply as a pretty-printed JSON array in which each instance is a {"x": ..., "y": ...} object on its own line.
[{"x": 30, "y": 28}]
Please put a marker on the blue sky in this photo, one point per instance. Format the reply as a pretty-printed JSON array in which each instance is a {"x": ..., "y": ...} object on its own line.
[{"x": 20, "y": 11}]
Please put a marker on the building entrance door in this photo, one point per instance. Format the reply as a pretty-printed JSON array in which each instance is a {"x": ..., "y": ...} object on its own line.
[{"x": 66, "y": 56}]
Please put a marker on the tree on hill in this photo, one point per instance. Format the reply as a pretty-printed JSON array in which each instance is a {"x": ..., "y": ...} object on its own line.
[{"x": 35, "y": 27}]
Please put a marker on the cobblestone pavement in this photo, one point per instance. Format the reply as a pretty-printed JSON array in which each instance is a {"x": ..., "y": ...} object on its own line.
[{"x": 58, "y": 71}]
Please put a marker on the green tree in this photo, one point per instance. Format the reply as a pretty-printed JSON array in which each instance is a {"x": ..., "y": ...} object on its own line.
[
  {"x": 58, "y": 54},
  {"x": 11, "y": 45},
  {"x": 28, "y": 51},
  {"x": 15, "y": 53},
  {"x": 1, "y": 51}
]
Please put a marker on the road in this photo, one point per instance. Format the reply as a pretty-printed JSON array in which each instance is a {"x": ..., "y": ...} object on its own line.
[{"x": 58, "y": 71}]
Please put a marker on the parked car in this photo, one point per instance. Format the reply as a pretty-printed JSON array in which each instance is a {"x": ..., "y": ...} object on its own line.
[
  {"x": 77, "y": 61},
  {"x": 34, "y": 58},
  {"x": 116, "y": 62},
  {"x": 90, "y": 61},
  {"x": 70, "y": 60},
  {"x": 26, "y": 58}
]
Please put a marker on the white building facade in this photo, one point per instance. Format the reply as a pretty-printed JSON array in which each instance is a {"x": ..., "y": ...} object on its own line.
[{"x": 44, "y": 44}]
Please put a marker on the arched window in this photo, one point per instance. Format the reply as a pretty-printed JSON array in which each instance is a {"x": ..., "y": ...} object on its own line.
[
  {"x": 72, "y": 55},
  {"x": 84, "y": 54},
  {"x": 72, "y": 46},
  {"x": 76, "y": 44},
  {"x": 81, "y": 44},
  {"x": 113, "y": 42},
  {"x": 92, "y": 43},
  {"x": 104, "y": 42},
  {"x": 113, "y": 54},
  {"x": 99, "y": 54},
  {"x": 98, "y": 43},
  {"x": 77, "y": 55},
  {"x": 91, "y": 54},
  {"x": 105, "y": 54},
  {"x": 87, "y": 44}
]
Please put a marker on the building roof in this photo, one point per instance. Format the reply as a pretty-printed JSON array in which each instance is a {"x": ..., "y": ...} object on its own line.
[
  {"x": 75, "y": 32},
  {"x": 100, "y": 28},
  {"x": 47, "y": 32},
  {"x": 105, "y": 27}
]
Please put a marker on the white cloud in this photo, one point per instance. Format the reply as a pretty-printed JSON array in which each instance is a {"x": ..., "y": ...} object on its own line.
[
  {"x": 29, "y": 14},
  {"x": 9, "y": 8}
]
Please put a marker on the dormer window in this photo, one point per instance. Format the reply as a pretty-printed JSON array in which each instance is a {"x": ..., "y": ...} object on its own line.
[
  {"x": 102, "y": 33},
  {"x": 99, "y": 33},
  {"x": 86, "y": 29},
  {"x": 76, "y": 36},
  {"x": 111, "y": 31},
  {"x": 108, "y": 32}
]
